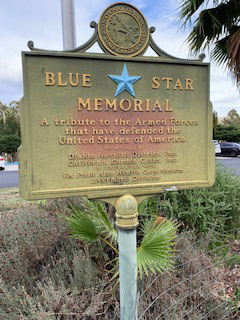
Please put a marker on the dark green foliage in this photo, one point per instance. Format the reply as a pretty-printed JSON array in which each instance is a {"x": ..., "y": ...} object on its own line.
[
  {"x": 216, "y": 27},
  {"x": 156, "y": 250},
  {"x": 10, "y": 127},
  {"x": 229, "y": 133},
  {"x": 9, "y": 143},
  {"x": 155, "y": 236},
  {"x": 10, "y": 118},
  {"x": 202, "y": 210},
  {"x": 89, "y": 222}
]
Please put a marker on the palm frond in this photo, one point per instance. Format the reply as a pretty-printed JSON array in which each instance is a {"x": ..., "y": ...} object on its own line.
[
  {"x": 234, "y": 52},
  {"x": 220, "y": 51},
  {"x": 188, "y": 8},
  {"x": 212, "y": 24},
  {"x": 82, "y": 227},
  {"x": 227, "y": 52},
  {"x": 106, "y": 221},
  {"x": 156, "y": 249},
  {"x": 205, "y": 31},
  {"x": 142, "y": 206}
]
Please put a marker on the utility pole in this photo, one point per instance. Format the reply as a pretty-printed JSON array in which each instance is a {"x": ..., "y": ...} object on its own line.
[{"x": 68, "y": 24}]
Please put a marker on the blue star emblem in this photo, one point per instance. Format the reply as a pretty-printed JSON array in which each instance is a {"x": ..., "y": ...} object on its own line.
[{"x": 125, "y": 82}]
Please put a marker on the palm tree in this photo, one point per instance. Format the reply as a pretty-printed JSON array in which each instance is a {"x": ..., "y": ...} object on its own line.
[
  {"x": 218, "y": 26},
  {"x": 90, "y": 223}
]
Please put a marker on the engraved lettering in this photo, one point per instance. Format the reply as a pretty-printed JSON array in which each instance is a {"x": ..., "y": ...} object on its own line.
[
  {"x": 155, "y": 83},
  {"x": 86, "y": 80},
  {"x": 111, "y": 105},
  {"x": 167, "y": 108},
  {"x": 157, "y": 106},
  {"x": 82, "y": 104},
  {"x": 125, "y": 104},
  {"x": 71, "y": 82},
  {"x": 98, "y": 105},
  {"x": 178, "y": 85},
  {"x": 49, "y": 79},
  {"x": 44, "y": 122},
  {"x": 59, "y": 78},
  {"x": 167, "y": 82},
  {"x": 137, "y": 105},
  {"x": 189, "y": 84}
]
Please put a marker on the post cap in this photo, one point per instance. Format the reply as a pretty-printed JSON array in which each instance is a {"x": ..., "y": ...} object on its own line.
[{"x": 127, "y": 212}]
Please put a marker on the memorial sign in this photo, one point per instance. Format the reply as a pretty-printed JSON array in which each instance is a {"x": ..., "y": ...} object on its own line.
[{"x": 105, "y": 125}]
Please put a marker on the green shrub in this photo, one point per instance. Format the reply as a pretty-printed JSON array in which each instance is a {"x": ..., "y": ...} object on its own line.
[
  {"x": 229, "y": 132},
  {"x": 9, "y": 143},
  {"x": 27, "y": 238},
  {"x": 49, "y": 301},
  {"x": 46, "y": 275},
  {"x": 216, "y": 208},
  {"x": 43, "y": 273}
]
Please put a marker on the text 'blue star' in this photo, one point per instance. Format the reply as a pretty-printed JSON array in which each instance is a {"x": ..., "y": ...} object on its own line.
[{"x": 124, "y": 81}]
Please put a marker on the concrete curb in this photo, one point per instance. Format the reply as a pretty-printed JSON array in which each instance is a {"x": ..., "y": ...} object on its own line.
[{"x": 11, "y": 167}]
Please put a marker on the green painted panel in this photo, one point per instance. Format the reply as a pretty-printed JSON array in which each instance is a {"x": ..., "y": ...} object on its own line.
[{"x": 78, "y": 138}]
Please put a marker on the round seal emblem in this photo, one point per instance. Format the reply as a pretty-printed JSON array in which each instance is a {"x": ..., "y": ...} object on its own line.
[{"x": 123, "y": 30}]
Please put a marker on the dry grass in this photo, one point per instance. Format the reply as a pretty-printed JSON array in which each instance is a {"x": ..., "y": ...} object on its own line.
[{"x": 10, "y": 199}]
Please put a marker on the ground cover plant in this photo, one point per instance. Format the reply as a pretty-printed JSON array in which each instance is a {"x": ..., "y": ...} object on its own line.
[
  {"x": 216, "y": 209},
  {"x": 10, "y": 199},
  {"x": 45, "y": 274}
]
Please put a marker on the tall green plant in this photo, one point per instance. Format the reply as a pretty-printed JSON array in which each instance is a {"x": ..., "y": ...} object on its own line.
[
  {"x": 155, "y": 236},
  {"x": 201, "y": 210}
]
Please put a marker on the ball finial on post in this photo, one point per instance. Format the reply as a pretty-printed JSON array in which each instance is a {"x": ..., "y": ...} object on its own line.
[{"x": 127, "y": 212}]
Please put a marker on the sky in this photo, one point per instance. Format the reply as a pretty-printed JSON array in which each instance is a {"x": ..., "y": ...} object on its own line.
[{"x": 40, "y": 21}]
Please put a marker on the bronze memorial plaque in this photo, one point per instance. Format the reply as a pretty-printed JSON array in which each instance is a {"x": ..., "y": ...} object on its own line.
[{"x": 105, "y": 125}]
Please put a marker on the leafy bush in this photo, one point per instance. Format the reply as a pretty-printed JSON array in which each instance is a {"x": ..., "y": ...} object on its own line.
[
  {"x": 9, "y": 143},
  {"x": 51, "y": 299},
  {"x": 216, "y": 208},
  {"x": 26, "y": 239},
  {"x": 230, "y": 132},
  {"x": 44, "y": 274}
]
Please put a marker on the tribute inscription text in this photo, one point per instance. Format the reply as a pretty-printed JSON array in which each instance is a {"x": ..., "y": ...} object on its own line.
[{"x": 115, "y": 128}]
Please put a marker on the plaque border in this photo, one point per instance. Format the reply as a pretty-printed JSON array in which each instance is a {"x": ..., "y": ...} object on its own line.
[{"x": 114, "y": 191}]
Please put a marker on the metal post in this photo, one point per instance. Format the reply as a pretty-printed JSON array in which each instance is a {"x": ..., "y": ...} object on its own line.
[
  {"x": 68, "y": 24},
  {"x": 127, "y": 222}
]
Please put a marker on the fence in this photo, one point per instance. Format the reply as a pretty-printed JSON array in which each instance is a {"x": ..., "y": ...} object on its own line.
[{"x": 203, "y": 284}]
